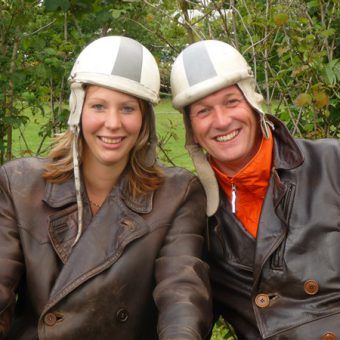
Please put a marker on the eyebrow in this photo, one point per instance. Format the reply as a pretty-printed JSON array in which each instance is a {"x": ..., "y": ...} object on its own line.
[
  {"x": 201, "y": 102},
  {"x": 128, "y": 100}
]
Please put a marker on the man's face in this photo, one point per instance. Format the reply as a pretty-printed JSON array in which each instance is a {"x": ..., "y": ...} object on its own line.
[{"x": 225, "y": 125}]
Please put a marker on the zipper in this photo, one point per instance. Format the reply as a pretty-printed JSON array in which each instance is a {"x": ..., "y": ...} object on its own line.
[{"x": 233, "y": 198}]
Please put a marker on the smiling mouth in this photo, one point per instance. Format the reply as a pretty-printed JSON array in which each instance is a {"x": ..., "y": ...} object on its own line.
[
  {"x": 108, "y": 140},
  {"x": 228, "y": 137}
]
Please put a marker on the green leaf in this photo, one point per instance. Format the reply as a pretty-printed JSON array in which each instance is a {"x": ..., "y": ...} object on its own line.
[
  {"x": 29, "y": 96},
  {"x": 50, "y": 51},
  {"x": 64, "y": 5},
  {"x": 26, "y": 43},
  {"x": 51, "y": 5},
  {"x": 327, "y": 33},
  {"x": 116, "y": 13},
  {"x": 303, "y": 99},
  {"x": 328, "y": 75},
  {"x": 281, "y": 19},
  {"x": 313, "y": 4},
  {"x": 331, "y": 72},
  {"x": 41, "y": 71},
  {"x": 54, "y": 5}
]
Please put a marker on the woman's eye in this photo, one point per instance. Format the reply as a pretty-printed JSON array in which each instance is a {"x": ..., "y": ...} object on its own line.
[
  {"x": 98, "y": 107},
  {"x": 128, "y": 109}
]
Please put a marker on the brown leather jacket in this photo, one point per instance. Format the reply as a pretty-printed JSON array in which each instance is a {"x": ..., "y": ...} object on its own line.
[
  {"x": 285, "y": 285},
  {"x": 134, "y": 255}
]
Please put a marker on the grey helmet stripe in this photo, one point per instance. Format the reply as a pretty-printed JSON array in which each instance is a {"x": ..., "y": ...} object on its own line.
[
  {"x": 193, "y": 60},
  {"x": 129, "y": 60}
]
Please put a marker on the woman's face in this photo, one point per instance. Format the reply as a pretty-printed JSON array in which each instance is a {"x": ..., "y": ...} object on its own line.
[{"x": 111, "y": 122}]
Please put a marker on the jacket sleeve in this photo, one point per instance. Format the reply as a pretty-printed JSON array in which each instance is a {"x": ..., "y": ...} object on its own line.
[
  {"x": 11, "y": 259},
  {"x": 182, "y": 293}
]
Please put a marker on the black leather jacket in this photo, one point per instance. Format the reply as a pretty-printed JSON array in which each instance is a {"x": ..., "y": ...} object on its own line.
[
  {"x": 286, "y": 283},
  {"x": 134, "y": 254}
]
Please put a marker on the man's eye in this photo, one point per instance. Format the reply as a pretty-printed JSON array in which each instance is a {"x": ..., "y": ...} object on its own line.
[
  {"x": 201, "y": 113},
  {"x": 232, "y": 102}
]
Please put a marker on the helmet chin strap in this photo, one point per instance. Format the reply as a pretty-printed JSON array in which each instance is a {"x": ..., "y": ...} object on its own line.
[
  {"x": 76, "y": 105},
  {"x": 265, "y": 124},
  {"x": 75, "y": 151}
]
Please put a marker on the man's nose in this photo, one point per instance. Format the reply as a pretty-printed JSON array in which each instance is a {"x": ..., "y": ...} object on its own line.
[{"x": 221, "y": 116}]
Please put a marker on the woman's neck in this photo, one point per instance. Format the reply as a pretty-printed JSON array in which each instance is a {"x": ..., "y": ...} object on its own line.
[{"x": 99, "y": 181}]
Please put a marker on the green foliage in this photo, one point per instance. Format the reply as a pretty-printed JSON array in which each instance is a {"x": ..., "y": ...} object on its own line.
[
  {"x": 53, "y": 5},
  {"x": 291, "y": 45},
  {"x": 223, "y": 331}
]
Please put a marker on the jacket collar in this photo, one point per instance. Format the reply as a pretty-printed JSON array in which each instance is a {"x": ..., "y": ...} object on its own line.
[
  {"x": 61, "y": 194},
  {"x": 287, "y": 154},
  {"x": 141, "y": 204},
  {"x": 64, "y": 194}
]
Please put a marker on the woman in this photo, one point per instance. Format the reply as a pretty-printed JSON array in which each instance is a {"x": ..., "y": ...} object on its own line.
[{"x": 98, "y": 241}]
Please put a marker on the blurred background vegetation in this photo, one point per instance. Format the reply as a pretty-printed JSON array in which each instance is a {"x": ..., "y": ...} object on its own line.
[{"x": 292, "y": 45}]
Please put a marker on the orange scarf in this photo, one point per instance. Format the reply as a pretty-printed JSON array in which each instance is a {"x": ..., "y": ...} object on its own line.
[{"x": 250, "y": 185}]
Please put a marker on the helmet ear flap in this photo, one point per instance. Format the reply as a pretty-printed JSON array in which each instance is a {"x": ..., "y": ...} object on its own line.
[
  {"x": 202, "y": 166},
  {"x": 76, "y": 103}
]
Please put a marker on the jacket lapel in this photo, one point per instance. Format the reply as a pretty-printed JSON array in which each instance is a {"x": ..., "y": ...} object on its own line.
[
  {"x": 272, "y": 229},
  {"x": 62, "y": 227},
  {"x": 101, "y": 244},
  {"x": 63, "y": 230},
  {"x": 274, "y": 221}
]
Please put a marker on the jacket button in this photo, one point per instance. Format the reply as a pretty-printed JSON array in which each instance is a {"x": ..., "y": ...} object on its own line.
[
  {"x": 122, "y": 315},
  {"x": 50, "y": 319},
  {"x": 311, "y": 287},
  {"x": 329, "y": 336},
  {"x": 262, "y": 300}
]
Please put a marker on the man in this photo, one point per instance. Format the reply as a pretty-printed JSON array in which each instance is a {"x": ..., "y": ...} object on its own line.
[{"x": 273, "y": 238}]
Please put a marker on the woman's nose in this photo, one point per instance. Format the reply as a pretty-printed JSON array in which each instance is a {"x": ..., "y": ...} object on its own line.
[{"x": 112, "y": 120}]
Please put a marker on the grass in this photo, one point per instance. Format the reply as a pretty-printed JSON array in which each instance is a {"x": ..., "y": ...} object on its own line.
[
  {"x": 26, "y": 139},
  {"x": 171, "y": 136}
]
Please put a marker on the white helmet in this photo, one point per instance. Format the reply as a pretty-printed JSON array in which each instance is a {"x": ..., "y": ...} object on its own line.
[
  {"x": 208, "y": 66},
  {"x": 199, "y": 70},
  {"x": 116, "y": 62},
  {"x": 121, "y": 64}
]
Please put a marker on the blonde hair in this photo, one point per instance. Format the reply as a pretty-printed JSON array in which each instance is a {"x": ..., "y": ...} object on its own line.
[{"x": 142, "y": 178}]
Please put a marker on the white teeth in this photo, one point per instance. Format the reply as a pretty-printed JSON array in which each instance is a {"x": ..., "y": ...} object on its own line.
[
  {"x": 111, "y": 140},
  {"x": 228, "y": 137}
]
